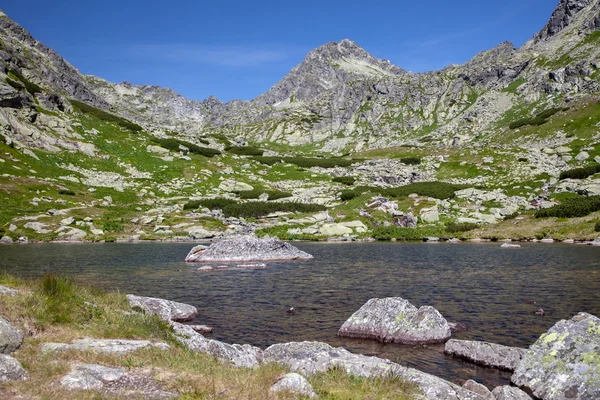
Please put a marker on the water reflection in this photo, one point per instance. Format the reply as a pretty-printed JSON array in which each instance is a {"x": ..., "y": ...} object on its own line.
[{"x": 494, "y": 290}]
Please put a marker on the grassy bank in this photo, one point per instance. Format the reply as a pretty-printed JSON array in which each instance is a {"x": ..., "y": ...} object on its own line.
[{"x": 55, "y": 309}]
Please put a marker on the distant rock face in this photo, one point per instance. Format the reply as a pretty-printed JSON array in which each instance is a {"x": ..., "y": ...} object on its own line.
[
  {"x": 10, "y": 337},
  {"x": 486, "y": 354},
  {"x": 561, "y": 18},
  {"x": 396, "y": 320},
  {"x": 564, "y": 363},
  {"x": 165, "y": 309},
  {"x": 247, "y": 248},
  {"x": 11, "y": 369}
]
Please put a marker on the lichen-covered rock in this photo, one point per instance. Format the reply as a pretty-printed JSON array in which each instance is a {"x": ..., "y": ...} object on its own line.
[
  {"x": 564, "y": 363},
  {"x": 294, "y": 383},
  {"x": 238, "y": 355},
  {"x": 165, "y": 309},
  {"x": 308, "y": 358},
  {"x": 486, "y": 354},
  {"x": 478, "y": 388},
  {"x": 11, "y": 337},
  {"x": 247, "y": 248},
  {"x": 11, "y": 369},
  {"x": 113, "y": 381},
  {"x": 396, "y": 320},
  {"x": 115, "y": 346},
  {"x": 509, "y": 393}
]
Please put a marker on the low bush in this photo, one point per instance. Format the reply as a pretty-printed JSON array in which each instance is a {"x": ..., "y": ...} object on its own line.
[
  {"x": 539, "y": 119},
  {"x": 453, "y": 227},
  {"x": 67, "y": 192},
  {"x": 260, "y": 209},
  {"x": 437, "y": 190},
  {"x": 222, "y": 138},
  {"x": 580, "y": 173},
  {"x": 173, "y": 144},
  {"x": 572, "y": 208},
  {"x": 112, "y": 225},
  {"x": 522, "y": 159},
  {"x": 106, "y": 116},
  {"x": 245, "y": 150},
  {"x": 14, "y": 84},
  {"x": 306, "y": 162},
  {"x": 410, "y": 161},
  {"x": 212, "y": 204},
  {"x": 597, "y": 227},
  {"x": 396, "y": 232},
  {"x": 255, "y": 194},
  {"x": 349, "y": 194},
  {"x": 345, "y": 180}
]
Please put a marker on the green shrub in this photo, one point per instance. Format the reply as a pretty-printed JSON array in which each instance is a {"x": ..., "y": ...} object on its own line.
[
  {"x": 222, "y": 138},
  {"x": 580, "y": 173},
  {"x": 212, "y": 204},
  {"x": 437, "y": 190},
  {"x": 67, "y": 192},
  {"x": 453, "y": 227},
  {"x": 572, "y": 208},
  {"x": 112, "y": 225},
  {"x": 306, "y": 162},
  {"x": 396, "y": 232},
  {"x": 245, "y": 150},
  {"x": 345, "y": 180},
  {"x": 105, "y": 116},
  {"x": 539, "y": 119},
  {"x": 60, "y": 303},
  {"x": 14, "y": 84},
  {"x": 597, "y": 227},
  {"x": 522, "y": 159},
  {"x": 410, "y": 160},
  {"x": 349, "y": 194},
  {"x": 173, "y": 144},
  {"x": 260, "y": 209},
  {"x": 255, "y": 194}
]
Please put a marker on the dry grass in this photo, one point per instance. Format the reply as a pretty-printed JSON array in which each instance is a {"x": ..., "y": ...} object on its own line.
[{"x": 56, "y": 310}]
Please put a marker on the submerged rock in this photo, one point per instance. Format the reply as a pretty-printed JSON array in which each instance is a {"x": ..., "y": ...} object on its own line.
[
  {"x": 486, "y": 354},
  {"x": 294, "y": 383},
  {"x": 10, "y": 337},
  {"x": 309, "y": 358},
  {"x": 509, "y": 393},
  {"x": 11, "y": 369},
  {"x": 396, "y": 320},
  {"x": 116, "y": 346},
  {"x": 510, "y": 246},
  {"x": 235, "y": 354},
  {"x": 564, "y": 363},
  {"x": 247, "y": 248},
  {"x": 114, "y": 381},
  {"x": 165, "y": 309}
]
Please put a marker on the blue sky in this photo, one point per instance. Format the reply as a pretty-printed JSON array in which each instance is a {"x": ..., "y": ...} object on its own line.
[{"x": 239, "y": 49}]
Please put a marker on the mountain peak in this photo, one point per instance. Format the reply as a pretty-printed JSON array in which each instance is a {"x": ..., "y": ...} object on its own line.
[{"x": 563, "y": 16}]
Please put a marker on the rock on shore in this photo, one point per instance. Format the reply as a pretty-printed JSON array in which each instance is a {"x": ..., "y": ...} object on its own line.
[
  {"x": 486, "y": 354},
  {"x": 564, "y": 363},
  {"x": 396, "y": 320},
  {"x": 246, "y": 248},
  {"x": 165, "y": 309}
]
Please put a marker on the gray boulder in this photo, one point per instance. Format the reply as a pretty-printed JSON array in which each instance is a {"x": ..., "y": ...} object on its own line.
[
  {"x": 247, "y": 248},
  {"x": 564, "y": 363},
  {"x": 509, "y": 393},
  {"x": 11, "y": 369},
  {"x": 238, "y": 355},
  {"x": 115, "y": 346},
  {"x": 6, "y": 240},
  {"x": 10, "y": 337},
  {"x": 478, "y": 388},
  {"x": 294, "y": 383},
  {"x": 396, "y": 320},
  {"x": 309, "y": 358},
  {"x": 6, "y": 291},
  {"x": 486, "y": 354},
  {"x": 165, "y": 309},
  {"x": 113, "y": 381}
]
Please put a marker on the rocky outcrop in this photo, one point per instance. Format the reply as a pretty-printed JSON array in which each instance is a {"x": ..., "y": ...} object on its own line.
[
  {"x": 561, "y": 17},
  {"x": 509, "y": 393},
  {"x": 238, "y": 355},
  {"x": 11, "y": 369},
  {"x": 309, "y": 358},
  {"x": 114, "y": 346},
  {"x": 396, "y": 320},
  {"x": 564, "y": 363},
  {"x": 11, "y": 337},
  {"x": 294, "y": 383},
  {"x": 246, "y": 248},
  {"x": 486, "y": 354},
  {"x": 165, "y": 309},
  {"x": 113, "y": 381}
]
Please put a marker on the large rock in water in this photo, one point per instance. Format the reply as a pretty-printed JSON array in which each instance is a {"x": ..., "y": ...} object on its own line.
[
  {"x": 396, "y": 320},
  {"x": 165, "y": 309},
  {"x": 10, "y": 337},
  {"x": 309, "y": 358},
  {"x": 247, "y": 248},
  {"x": 486, "y": 354},
  {"x": 564, "y": 363}
]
